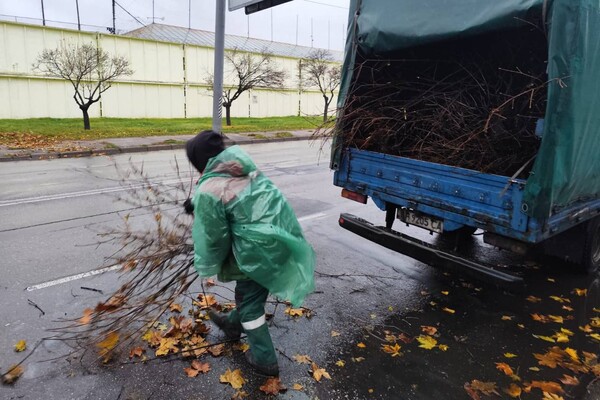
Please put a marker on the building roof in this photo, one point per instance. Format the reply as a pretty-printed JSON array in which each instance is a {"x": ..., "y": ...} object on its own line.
[{"x": 177, "y": 34}]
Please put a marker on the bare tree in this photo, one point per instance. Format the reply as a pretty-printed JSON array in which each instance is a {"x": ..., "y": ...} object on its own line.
[
  {"x": 88, "y": 68},
  {"x": 249, "y": 71},
  {"x": 319, "y": 71}
]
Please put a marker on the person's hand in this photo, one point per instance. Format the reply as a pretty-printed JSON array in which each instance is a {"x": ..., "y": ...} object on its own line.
[{"x": 188, "y": 207}]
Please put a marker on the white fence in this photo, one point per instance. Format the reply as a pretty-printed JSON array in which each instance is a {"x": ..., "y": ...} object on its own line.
[{"x": 169, "y": 80}]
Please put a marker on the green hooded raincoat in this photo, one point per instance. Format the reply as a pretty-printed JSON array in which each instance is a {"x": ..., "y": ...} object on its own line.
[{"x": 244, "y": 228}]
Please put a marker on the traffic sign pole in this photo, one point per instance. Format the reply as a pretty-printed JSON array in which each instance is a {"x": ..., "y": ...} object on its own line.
[{"x": 218, "y": 66}]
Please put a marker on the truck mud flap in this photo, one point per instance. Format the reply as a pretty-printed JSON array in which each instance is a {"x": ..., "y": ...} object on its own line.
[{"x": 429, "y": 254}]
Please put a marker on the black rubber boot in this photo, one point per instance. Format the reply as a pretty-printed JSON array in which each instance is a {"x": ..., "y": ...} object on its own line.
[
  {"x": 262, "y": 369},
  {"x": 231, "y": 330}
]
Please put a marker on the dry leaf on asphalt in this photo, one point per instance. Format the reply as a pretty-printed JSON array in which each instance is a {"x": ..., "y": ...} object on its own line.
[
  {"x": 273, "y": 386},
  {"x": 552, "y": 396},
  {"x": 216, "y": 350},
  {"x": 513, "y": 390},
  {"x": 109, "y": 343},
  {"x": 510, "y": 355},
  {"x": 167, "y": 345},
  {"x": 533, "y": 299},
  {"x": 205, "y": 302},
  {"x": 426, "y": 342},
  {"x": 486, "y": 388},
  {"x": 546, "y": 338},
  {"x": 176, "y": 308},
  {"x": 297, "y": 386},
  {"x": 580, "y": 292},
  {"x": 448, "y": 310},
  {"x": 234, "y": 378},
  {"x": 240, "y": 394},
  {"x": 191, "y": 372},
  {"x": 361, "y": 345},
  {"x": 443, "y": 347},
  {"x": 86, "y": 318},
  {"x": 544, "y": 386},
  {"x": 302, "y": 359},
  {"x": 319, "y": 373},
  {"x": 569, "y": 380},
  {"x": 294, "y": 312},
  {"x": 429, "y": 330},
  {"x": 200, "y": 366},
  {"x": 394, "y": 350},
  {"x": 334, "y": 334},
  {"x": 505, "y": 368},
  {"x": 340, "y": 363},
  {"x": 136, "y": 352},
  {"x": 20, "y": 346},
  {"x": 12, "y": 374}
]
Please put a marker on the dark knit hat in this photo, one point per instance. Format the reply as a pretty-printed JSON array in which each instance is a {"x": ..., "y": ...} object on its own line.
[{"x": 204, "y": 146}]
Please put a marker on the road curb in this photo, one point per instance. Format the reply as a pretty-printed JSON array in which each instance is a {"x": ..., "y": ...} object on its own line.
[{"x": 134, "y": 149}]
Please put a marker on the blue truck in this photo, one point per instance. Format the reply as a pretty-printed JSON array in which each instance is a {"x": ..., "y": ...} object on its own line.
[{"x": 550, "y": 204}]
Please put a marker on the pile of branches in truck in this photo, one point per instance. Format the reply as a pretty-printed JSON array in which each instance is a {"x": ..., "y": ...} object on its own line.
[{"x": 474, "y": 103}]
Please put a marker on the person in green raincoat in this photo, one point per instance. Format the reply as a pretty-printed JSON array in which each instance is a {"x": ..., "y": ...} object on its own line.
[{"x": 244, "y": 230}]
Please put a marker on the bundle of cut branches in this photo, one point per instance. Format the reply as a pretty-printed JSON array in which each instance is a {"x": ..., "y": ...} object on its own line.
[{"x": 471, "y": 103}]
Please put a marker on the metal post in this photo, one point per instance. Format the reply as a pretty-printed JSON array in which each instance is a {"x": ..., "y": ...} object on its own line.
[
  {"x": 43, "y": 14},
  {"x": 78, "y": 20},
  {"x": 114, "y": 18},
  {"x": 190, "y": 14},
  {"x": 219, "y": 59}
]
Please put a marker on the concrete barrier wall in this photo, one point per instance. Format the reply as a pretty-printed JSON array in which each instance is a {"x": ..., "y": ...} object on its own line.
[{"x": 169, "y": 80}]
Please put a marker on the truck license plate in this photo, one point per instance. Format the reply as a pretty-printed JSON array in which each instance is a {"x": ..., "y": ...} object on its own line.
[{"x": 414, "y": 218}]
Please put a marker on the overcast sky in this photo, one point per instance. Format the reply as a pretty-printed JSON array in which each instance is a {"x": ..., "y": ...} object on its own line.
[{"x": 290, "y": 21}]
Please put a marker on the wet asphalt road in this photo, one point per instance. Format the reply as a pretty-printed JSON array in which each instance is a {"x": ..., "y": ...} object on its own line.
[{"x": 51, "y": 212}]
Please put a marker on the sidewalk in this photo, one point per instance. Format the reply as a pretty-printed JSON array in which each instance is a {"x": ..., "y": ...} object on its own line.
[{"x": 87, "y": 148}]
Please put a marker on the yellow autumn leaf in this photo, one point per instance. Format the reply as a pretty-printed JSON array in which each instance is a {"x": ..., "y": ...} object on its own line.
[
  {"x": 340, "y": 363},
  {"x": 319, "y": 373},
  {"x": 394, "y": 350},
  {"x": 510, "y": 355},
  {"x": 595, "y": 322},
  {"x": 551, "y": 280},
  {"x": 426, "y": 342},
  {"x": 361, "y": 345},
  {"x": 567, "y": 308},
  {"x": 443, "y": 347},
  {"x": 596, "y": 309},
  {"x": 507, "y": 318},
  {"x": 546, "y": 338},
  {"x": 13, "y": 373},
  {"x": 513, "y": 390},
  {"x": 504, "y": 368},
  {"x": 533, "y": 299},
  {"x": 566, "y": 331},
  {"x": 586, "y": 329},
  {"x": 560, "y": 299},
  {"x": 572, "y": 353},
  {"x": 109, "y": 343},
  {"x": 234, "y": 378},
  {"x": 448, "y": 310},
  {"x": 429, "y": 330},
  {"x": 521, "y": 326},
  {"x": 358, "y": 359},
  {"x": 556, "y": 318},
  {"x": 580, "y": 292},
  {"x": 534, "y": 369},
  {"x": 432, "y": 303},
  {"x": 302, "y": 359},
  {"x": 20, "y": 346},
  {"x": 390, "y": 308},
  {"x": 167, "y": 345},
  {"x": 176, "y": 308},
  {"x": 297, "y": 386},
  {"x": 445, "y": 292},
  {"x": 335, "y": 334},
  {"x": 595, "y": 336},
  {"x": 294, "y": 312},
  {"x": 561, "y": 337}
]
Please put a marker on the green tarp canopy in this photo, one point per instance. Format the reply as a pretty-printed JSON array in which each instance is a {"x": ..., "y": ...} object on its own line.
[{"x": 567, "y": 167}]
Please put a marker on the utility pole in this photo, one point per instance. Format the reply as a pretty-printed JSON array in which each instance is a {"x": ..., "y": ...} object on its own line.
[
  {"x": 296, "y": 29},
  {"x": 43, "y": 14},
  {"x": 114, "y": 18},
  {"x": 78, "y": 20},
  {"x": 152, "y": 11},
  {"x": 218, "y": 66},
  {"x": 190, "y": 14}
]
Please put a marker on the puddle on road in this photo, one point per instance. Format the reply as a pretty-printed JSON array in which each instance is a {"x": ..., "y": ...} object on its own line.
[{"x": 487, "y": 323}]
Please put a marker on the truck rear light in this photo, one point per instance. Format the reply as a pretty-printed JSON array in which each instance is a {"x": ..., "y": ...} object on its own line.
[{"x": 361, "y": 198}]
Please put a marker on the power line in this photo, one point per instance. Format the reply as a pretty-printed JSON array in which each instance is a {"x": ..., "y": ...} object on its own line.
[
  {"x": 326, "y": 4},
  {"x": 130, "y": 14}
]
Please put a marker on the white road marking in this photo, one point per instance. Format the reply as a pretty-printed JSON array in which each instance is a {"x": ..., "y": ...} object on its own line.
[
  {"x": 311, "y": 216},
  {"x": 117, "y": 266},
  {"x": 73, "y": 278},
  {"x": 82, "y": 193}
]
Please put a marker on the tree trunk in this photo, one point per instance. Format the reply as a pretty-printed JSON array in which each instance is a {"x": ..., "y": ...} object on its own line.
[
  {"x": 325, "y": 109},
  {"x": 86, "y": 118},
  {"x": 227, "y": 114}
]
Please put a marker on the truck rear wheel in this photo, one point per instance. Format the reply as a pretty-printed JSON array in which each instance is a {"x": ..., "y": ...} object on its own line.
[{"x": 591, "y": 250}]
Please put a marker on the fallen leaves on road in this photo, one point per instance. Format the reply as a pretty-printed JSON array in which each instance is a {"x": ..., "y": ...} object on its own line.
[
  {"x": 340, "y": 363},
  {"x": 136, "y": 352},
  {"x": 335, "y": 334},
  {"x": 318, "y": 373},
  {"x": 429, "y": 330},
  {"x": 109, "y": 343},
  {"x": 475, "y": 387},
  {"x": 510, "y": 355},
  {"x": 87, "y": 316},
  {"x": 205, "y": 302},
  {"x": 234, "y": 378},
  {"x": 544, "y": 386},
  {"x": 176, "y": 308},
  {"x": 361, "y": 345},
  {"x": 394, "y": 350},
  {"x": 294, "y": 312},
  {"x": 20, "y": 346},
  {"x": 297, "y": 386},
  {"x": 448, "y": 310},
  {"x": 13, "y": 373},
  {"x": 513, "y": 390},
  {"x": 569, "y": 380},
  {"x": 302, "y": 359},
  {"x": 426, "y": 342},
  {"x": 273, "y": 386}
]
